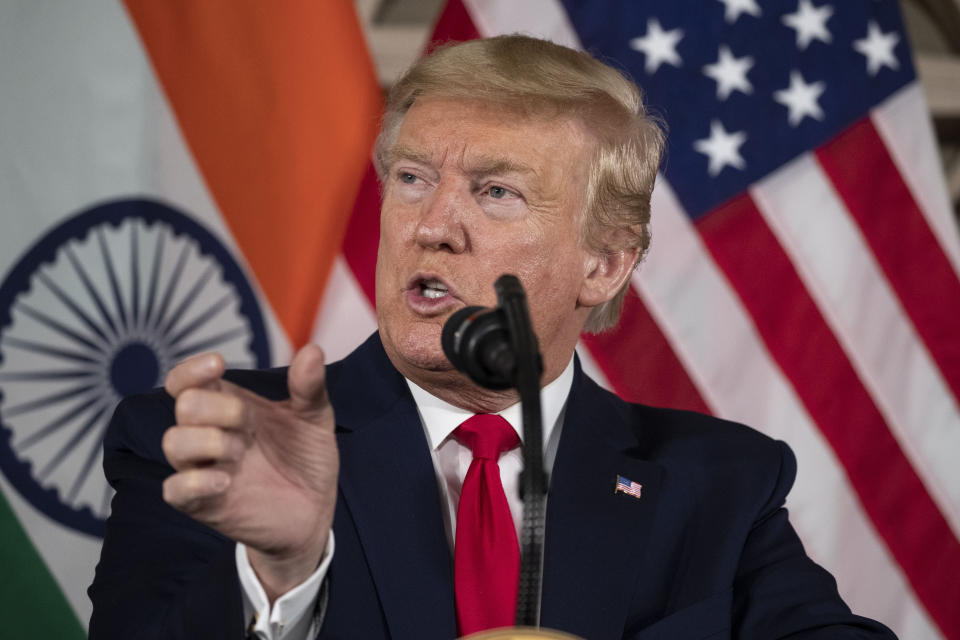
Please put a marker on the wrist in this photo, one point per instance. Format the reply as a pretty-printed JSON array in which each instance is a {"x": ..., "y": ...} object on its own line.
[{"x": 279, "y": 572}]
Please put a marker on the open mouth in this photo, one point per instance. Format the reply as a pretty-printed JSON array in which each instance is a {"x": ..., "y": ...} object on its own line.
[
  {"x": 432, "y": 288},
  {"x": 428, "y": 294}
]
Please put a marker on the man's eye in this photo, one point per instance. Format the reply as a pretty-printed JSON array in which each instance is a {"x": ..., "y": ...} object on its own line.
[
  {"x": 497, "y": 192},
  {"x": 407, "y": 178}
]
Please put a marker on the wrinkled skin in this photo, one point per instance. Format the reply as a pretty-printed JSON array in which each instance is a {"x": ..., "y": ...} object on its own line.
[
  {"x": 260, "y": 472},
  {"x": 475, "y": 190},
  {"x": 472, "y": 191}
]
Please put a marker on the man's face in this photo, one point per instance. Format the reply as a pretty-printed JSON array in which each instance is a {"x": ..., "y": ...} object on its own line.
[{"x": 473, "y": 191}]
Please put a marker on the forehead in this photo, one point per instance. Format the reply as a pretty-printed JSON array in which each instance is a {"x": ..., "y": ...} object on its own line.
[{"x": 447, "y": 130}]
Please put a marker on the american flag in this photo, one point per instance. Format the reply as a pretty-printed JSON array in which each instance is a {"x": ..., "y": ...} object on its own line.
[
  {"x": 628, "y": 486},
  {"x": 803, "y": 277}
]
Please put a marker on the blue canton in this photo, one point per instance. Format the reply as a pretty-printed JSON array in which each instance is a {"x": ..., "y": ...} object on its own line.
[{"x": 745, "y": 86}]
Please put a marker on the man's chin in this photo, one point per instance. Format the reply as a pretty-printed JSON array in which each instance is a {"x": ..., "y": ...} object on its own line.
[
  {"x": 427, "y": 361},
  {"x": 417, "y": 350}
]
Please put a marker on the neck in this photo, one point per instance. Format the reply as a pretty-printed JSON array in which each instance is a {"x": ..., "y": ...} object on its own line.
[{"x": 455, "y": 388}]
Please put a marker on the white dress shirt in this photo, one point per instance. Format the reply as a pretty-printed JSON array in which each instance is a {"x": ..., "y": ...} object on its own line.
[{"x": 294, "y": 614}]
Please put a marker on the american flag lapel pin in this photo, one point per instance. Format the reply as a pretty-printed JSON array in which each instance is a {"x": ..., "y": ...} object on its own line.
[{"x": 628, "y": 486}]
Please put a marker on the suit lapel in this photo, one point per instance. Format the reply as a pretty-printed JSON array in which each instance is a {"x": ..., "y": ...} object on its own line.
[
  {"x": 389, "y": 485},
  {"x": 595, "y": 537}
]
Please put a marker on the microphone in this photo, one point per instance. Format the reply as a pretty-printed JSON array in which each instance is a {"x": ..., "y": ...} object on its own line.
[
  {"x": 483, "y": 342},
  {"x": 475, "y": 341}
]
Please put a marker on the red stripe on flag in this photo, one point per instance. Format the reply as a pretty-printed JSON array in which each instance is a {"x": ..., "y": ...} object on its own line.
[
  {"x": 806, "y": 350},
  {"x": 870, "y": 185},
  {"x": 362, "y": 238},
  {"x": 639, "y": 362},
  {"x": 453, "y": 24}
]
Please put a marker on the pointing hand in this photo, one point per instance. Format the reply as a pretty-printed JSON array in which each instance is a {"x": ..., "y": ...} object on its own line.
[{"x": 261, "y": 472}]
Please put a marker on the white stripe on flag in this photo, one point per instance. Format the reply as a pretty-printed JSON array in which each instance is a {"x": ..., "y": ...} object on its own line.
[
  {"x": 591, "y": 368},
  {"x": 91, "y": 124},
  {"x": 903, "y": 122},
  {"x": 684, "y": 290},
  {"x": 345, "y": 318},
  {"x": 109, "y": 135},
  {"x": 811, "y": 222},
  {"x": 542, "y": 18}
]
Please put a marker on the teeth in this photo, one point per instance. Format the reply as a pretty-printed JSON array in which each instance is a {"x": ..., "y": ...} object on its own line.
[{"x": 433, "y": 289}]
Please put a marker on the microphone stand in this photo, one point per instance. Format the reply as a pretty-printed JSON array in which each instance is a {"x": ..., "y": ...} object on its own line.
[
  {"x": 533, "y": 481},
  {"x": 497, "y": 349}
]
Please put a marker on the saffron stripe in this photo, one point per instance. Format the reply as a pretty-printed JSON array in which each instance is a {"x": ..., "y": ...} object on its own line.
[
  {"x": 895, "y": 228},
  {"x": 243, "y": 82},
  {"x": 806, "y": 350},
  {"x": 639, "y": 362}
]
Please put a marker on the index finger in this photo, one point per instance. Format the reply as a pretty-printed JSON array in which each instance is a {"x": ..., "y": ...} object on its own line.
[{"x": 202, "y": 370}]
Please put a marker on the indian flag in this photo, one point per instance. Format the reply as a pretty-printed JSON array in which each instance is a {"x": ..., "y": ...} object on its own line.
[{"x": 176, "y": 177}]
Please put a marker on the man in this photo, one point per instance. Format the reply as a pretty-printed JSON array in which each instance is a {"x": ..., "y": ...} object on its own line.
[{"x": 329, "y": 499}]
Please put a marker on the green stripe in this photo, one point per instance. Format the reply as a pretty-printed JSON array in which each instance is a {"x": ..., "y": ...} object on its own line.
[{"x": 30, "y": 599}]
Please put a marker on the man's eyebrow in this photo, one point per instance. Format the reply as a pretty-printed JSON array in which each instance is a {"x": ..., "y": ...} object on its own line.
[
  {"x": 477, "y": 166},
  {"x": 493, "y": 165},
  {"x": 399, "y": 152}
]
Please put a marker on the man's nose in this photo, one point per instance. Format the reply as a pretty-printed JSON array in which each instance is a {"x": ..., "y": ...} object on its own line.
[{"x": 441, "y": 225}]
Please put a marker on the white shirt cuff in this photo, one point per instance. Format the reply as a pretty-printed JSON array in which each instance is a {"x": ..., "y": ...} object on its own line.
[{"x": 292, "y": 615}]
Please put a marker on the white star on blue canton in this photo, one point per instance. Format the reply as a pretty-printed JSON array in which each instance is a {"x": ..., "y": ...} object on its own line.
[
  {"x": 878, "y": 48},
  {"x": 810, "y": 23},
  {"x": 721, "y": 148},
  {"x": 733, "y": 9},
  {"x": 730, "y": 73},
  {"x": 658, "y": 46},
  {"x": 800, "y": 99}
]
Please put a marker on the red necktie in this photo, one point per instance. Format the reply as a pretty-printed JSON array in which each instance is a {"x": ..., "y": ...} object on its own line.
[{"x": 486, "y": 552}]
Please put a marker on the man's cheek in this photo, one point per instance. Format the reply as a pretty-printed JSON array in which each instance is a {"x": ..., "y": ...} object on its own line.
[{"x": 396, "y": 225}]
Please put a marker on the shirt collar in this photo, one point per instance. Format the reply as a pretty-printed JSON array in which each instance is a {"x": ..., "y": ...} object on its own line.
[{"x": 441, "y": 418}]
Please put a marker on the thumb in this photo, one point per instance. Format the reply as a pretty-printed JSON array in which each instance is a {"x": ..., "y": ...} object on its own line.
[{"x": 307, "y": 381}]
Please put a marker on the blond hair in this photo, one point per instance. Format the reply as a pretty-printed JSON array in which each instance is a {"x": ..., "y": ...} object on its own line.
[{"x": 538, "y": 76}]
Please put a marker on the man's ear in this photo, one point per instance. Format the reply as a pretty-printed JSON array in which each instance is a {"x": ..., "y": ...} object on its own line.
[{"x": 605, "y": 274}]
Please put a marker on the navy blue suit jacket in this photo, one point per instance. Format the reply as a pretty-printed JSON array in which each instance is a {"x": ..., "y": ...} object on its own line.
[{"x": 705, "y": 552}]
